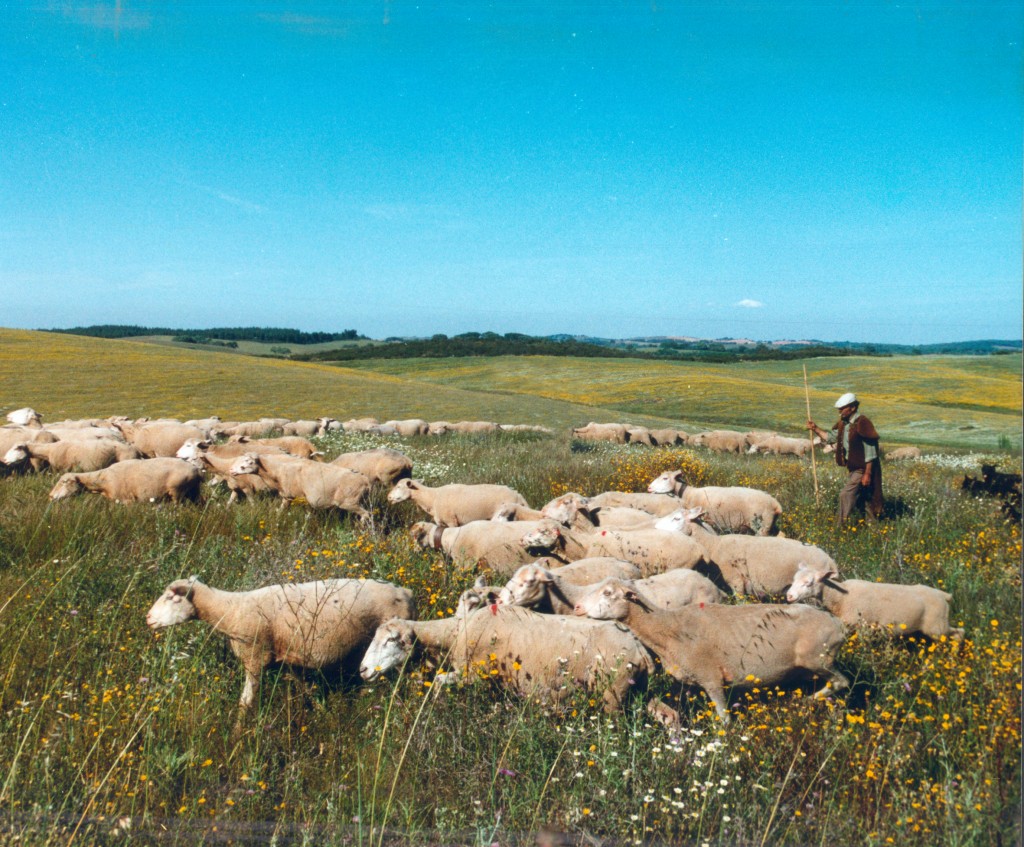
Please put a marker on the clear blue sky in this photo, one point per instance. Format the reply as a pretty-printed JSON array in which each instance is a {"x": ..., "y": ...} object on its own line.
[{"x": 830, "y": 170}]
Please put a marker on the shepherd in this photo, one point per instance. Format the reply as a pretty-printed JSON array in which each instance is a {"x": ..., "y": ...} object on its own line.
[{"x": 856, "y": 442}]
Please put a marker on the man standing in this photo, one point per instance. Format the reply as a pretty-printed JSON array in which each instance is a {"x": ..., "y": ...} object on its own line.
[{"x": 856, "y": 443}]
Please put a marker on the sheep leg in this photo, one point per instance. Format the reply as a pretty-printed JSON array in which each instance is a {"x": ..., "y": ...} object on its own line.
[
  {"x": 836, "y": 682},
  {"x": 716, "y": 692},
  {"x": 663, "y": 713},
  {"x": 249, "y": 691}
]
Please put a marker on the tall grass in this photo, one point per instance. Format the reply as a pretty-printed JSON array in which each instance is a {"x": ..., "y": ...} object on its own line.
[{"x": 109, "y": 730}]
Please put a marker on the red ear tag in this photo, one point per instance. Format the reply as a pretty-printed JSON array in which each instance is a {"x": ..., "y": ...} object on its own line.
[
  {"x": 494, "y": 608},
  {"x": 702, "y": 605}
]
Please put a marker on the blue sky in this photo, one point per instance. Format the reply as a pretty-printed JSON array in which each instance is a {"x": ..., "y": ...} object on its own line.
[{"x": 829, "y": 170}]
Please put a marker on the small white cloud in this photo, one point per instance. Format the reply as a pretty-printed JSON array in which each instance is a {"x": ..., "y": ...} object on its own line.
[{"x": 750, "y": 304}]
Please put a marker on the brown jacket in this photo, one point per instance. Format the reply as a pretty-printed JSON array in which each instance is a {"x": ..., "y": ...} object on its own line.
[{"x": 861, "y": 431}]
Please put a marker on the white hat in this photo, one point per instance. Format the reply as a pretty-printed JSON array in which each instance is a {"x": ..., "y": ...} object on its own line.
[{"x": 848, "y": 398}]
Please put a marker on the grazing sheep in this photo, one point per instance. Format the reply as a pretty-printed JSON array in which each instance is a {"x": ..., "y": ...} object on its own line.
[
  {"x": 651, "y": 550},
  {"x": 12, "y": 435},
  {"x": 473, "y": 427},
  {"x": 240, "y": 485},
  {"x": 557, "y": 591},
  {"x": 658, "y": 505},
  {"x": 727, "y": 508},
  {"x": 613, "y": 432},
  {"x": 25, "y": 417},
  {"x": 360, "y": 424},
  {"x": 158, "y": 439},
  {"x": 516, "y": 512},
  {"x": 135, "y": 481},
  {"x": 455, "y": 504},
  {"x": 782, "y": 445},
  {"x": 718, "y": 647},
  {"x": 409, "y": 428},
  {"x": 229, "y": 450},
  {"x": 574, "y": 510},
  {"x": 306, "y": 429},
  {"x": 294, "y": 445},
  {"x": 321, "y": 486},
  {"x": 89, "y": 455},
  {"x": 477, "y": 597},
  {"x": 313, "y": 625},
  {"x": 550, "y": 538},
  {"x": 757, "y": 565},
  {"x": 720, "y": 440},
  {"x": 900, "y": 609},
  {"x": 903, "y": 453},
  {"x": 669, "y": 437},
  {"x": 382, "y": 466},
  {"x": 540, "y": 656},
  {"x": 639, "y": 435},
  {"x": 497, "y": 544},
  {"x": 252, "y": 429}
]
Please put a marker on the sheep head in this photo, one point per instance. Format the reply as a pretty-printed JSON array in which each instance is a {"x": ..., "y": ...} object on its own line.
[
  {"x": 391, "y": 646},
  {"x": 610, "y": 601},
  {"x": 527, "y": 586},
  {"x": 670, "y": 482},
  {"x": 402, "y": 491},
  {"x": 174, "y": 606},
  {"x": 807, "y": 584},
  {"x": 67, "y": 486}
]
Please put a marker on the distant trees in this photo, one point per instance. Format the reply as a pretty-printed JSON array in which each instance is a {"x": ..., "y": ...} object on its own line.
[{"x": 267, "y": 335}]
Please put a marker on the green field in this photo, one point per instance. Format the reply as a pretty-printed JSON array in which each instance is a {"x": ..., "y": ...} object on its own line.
[
  {"x": 113, "y": 735},
  {"x": 970, "y": 402}
]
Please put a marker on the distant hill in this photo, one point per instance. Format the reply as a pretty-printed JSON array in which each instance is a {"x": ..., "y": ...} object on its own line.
[{"x": 320, "y": 345}]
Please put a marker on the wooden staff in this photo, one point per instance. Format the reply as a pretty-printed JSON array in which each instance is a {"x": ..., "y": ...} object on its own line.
[{"x": 810, "y": 434}]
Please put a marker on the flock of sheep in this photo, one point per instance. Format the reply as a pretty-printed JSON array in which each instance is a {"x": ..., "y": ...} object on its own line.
[{"x": 597, "y": 589}]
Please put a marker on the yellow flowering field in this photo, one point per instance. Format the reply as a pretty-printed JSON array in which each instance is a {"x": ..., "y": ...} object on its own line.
[{"x": 113, "y": 734}]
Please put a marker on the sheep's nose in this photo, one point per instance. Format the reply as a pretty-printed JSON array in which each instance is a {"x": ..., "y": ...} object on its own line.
[{"x": 578, "y": 610}]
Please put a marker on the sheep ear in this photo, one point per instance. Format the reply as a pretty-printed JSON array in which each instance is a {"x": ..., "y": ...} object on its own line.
[
  {"x": 544, "y": 576},
  {"x": 832, "y": 573},
  {"x": 480, "y": 582}
]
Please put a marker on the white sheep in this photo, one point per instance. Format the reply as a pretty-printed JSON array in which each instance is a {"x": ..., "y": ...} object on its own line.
[
  {"x": 497, "y": 544},
  {"x": 651, "y": 550},
  {"x": 757, "y": 565},
  {"x": 558, "y": 591},
  {"x": 901, "y": 610},
  {"x": 613, "y": 432},
  {"x": 135, "y": 480},
  {"x": 782, "y": 445},
  {"x": 320, "y": 485},
  {"x": 477, "y": 596},
  {"x": 158, "y": 439},
  {"x": 88, "y": 455},
  {"x": 720, "y": 440},
  {"x": 455, "y": 504},
  {"x": 658, "y": 505},
  {"x": 310, "y": 625},
  {"x": 294, "y": 445},
  {"x": 577, "y": 511},
  {"x": 542, "y": 656},
  {"x": 409, "y": 428},
  {"x": 718, "y": 647},
  {"x": 516, "y": 512},
  {"x": 26, "y": 416},
  {"x": 240, "y": 485},
  {"x": 382, "y": 466},
  {"x": 728, "y": 508},
  {"x": 903, "y": 453}
]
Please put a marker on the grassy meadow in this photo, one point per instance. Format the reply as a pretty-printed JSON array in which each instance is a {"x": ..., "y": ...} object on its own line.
[{"x": 113, "y": 735}]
